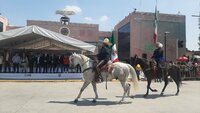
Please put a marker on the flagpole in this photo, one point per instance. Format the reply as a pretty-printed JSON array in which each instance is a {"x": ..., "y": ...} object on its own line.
[
  {"x": 156, "y": 4},
  {"x": 156, "y": 13},
  {"x": 155, "y": 37}
]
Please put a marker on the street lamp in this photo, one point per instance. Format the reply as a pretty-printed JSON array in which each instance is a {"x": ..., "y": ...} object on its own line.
[{"x": 165, "y": 42}]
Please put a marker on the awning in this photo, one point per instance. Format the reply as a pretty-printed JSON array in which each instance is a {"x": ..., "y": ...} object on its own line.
[
  {"x": 196, "y": 56},
  {"x": 11, "y": 37}
]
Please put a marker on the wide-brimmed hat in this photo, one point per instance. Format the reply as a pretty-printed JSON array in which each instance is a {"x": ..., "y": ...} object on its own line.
[{"x": 107, "y": 42}]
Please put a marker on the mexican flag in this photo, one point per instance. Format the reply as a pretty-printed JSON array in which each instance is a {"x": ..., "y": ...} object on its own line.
[{"x": 114, "y": 56}]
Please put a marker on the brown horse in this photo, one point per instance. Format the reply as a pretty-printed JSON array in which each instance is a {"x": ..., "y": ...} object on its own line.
[{"x": 151, "y": 72}]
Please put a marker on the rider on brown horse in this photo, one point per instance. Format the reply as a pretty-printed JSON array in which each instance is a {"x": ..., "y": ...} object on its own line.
[{"x": 159, "y": 58}]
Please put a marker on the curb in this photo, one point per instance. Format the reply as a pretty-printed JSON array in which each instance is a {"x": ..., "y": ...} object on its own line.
[{"x": 27, "y": 81}]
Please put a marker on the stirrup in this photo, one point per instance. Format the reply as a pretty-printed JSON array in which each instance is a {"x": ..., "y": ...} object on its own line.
[
  {"x": 98, "y": 71},
  {"x": 99, "y": 78}
]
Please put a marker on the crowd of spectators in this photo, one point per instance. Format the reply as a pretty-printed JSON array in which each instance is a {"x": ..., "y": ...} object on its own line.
[
  {"x": 22, "y": 62},
  {"x": 189, "y": 69}
]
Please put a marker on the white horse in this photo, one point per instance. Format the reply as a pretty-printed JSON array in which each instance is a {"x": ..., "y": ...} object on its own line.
[{"x": 120, "y": 71}]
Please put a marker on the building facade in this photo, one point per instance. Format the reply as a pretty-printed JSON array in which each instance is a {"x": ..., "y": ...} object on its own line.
[
  {"x": 134, "y": 35},
  {"x": 3, "y": 23}
]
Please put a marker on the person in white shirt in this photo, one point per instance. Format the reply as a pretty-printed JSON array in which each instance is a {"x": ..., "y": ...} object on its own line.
[
  {"x": 16, "y": 62},
  {"x": 24, "y": 63}
]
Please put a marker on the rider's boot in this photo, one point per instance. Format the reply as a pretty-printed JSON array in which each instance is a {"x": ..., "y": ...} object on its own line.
[{"x": 98, "y": 75}]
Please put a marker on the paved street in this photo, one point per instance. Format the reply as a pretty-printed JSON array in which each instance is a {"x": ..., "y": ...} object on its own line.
[{"x": 57, "y": 97}]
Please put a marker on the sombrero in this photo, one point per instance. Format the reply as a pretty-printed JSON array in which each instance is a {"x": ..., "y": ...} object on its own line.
[{"x": 107, "y": 42}]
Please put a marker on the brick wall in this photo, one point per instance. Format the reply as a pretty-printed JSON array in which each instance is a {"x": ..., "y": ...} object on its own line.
[{"x": 84, "y": 32}]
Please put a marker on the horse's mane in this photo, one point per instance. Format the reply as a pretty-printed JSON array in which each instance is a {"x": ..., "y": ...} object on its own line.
[
  {"x": 82, "y": 56},
  {"x": 85, "y": 59}
]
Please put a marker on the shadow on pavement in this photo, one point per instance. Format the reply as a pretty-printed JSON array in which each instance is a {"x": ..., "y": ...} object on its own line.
[
  {"x": 153, "y": 96},
  {"x": 88, "y": 102}
]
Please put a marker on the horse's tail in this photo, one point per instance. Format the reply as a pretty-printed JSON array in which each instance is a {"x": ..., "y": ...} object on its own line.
[{"x": 134, "y": 77}]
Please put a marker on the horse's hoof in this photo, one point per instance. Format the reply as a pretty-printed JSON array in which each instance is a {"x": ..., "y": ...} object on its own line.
[
  {"x": 145, "y": 96},
  {"x": 155, "y": 90},
  {"x": 132, "y": 96},
  {"x": 161, "y": 94},
  {"x": 176, "y": 94},
  {"x": 120, "y": 102},
  {"x": 94, "y": 101},
  {"x": 76, "y": 100}
]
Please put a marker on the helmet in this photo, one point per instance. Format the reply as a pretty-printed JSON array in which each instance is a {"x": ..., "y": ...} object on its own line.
[
  {"x": 159, "y": 45},
  {"x": 107, "y": 42},
  {"x": 138, "y": 67}
]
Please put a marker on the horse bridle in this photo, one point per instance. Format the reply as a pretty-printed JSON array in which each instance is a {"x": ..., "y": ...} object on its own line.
[
  {"x": 85, "y": 63},
  {"x": 83, "y": 60}
]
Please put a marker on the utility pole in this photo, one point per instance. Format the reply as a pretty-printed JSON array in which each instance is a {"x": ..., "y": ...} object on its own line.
[
  {"x": 198, "y": 16},
  {"x": 165, "y": 42}
]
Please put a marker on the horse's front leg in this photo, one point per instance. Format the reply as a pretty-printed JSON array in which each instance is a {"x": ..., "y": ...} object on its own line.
[
  {"x": 166, "y": 83},
  {"x": 85, "y": 84},
  {"x": 148, "y": 86},
  {"x": 95, "y": 91}
]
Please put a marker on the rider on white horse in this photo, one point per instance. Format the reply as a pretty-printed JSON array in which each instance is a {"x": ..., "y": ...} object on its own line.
[{"x": 104, "y": 55}]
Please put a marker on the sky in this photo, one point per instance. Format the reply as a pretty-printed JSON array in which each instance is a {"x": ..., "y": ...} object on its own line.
[{"x": 106, "y": 13}]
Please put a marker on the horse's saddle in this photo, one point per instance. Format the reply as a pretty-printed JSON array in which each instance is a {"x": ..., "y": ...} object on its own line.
[{"x": 107, "y": 67}]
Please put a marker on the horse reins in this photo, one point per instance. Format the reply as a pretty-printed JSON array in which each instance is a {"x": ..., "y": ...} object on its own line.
[
  {"x": 85, "y": 63},
  {"x": 87, "y": 69},
  {"x": 83, "y": 60}
]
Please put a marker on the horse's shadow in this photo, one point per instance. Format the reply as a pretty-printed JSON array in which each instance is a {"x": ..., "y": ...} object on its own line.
[
  {"x": 153, "y": 96},
  {"x": 88, "y": 102}
]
